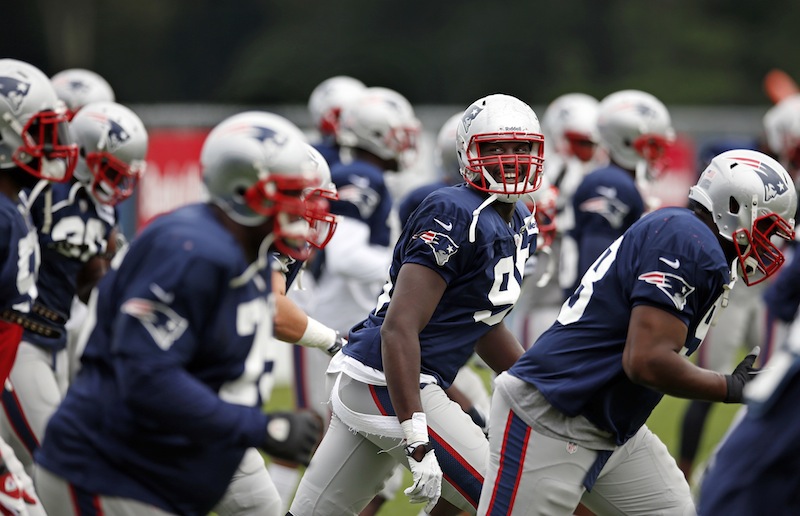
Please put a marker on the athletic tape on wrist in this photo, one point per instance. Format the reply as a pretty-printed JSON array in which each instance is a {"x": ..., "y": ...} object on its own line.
[
  {"x": 415, "y": 429},
  {"x": 317, "y": 335}
]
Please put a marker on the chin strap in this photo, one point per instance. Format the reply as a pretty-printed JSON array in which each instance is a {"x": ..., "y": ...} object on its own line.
[{"x": 475, "y": 214}]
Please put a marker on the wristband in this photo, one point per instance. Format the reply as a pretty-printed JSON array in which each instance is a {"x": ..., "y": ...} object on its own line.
[
  {"x": 317, "y": 335},
  {"x": 416, "y": 431}
]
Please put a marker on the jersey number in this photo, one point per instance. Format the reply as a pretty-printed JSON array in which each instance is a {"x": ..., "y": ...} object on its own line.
[
  {"x": 573, "y": 308},
  {"x": 83, "y": 239}
]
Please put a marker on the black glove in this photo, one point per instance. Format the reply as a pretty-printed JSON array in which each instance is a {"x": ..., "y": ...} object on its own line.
[
  {"x": 292, "y": 436},
  {"x": 337, "y": 344},
  {"x": 743, "y": 373}
]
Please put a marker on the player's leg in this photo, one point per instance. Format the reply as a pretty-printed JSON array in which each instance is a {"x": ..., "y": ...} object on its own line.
[
  {"x": 345, "y": 473},
  {"x": 460, "y": 445},
  {"x": 30, "y": 397},
  {"x": 641, "y": 478},
  {"x": 528, "y": 472},
  {"x": 251, "y": 491}
]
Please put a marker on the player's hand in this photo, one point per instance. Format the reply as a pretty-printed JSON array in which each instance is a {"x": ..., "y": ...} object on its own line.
[
  {"x": 743, "y": 373},
  {"x": 427, "y": 477},
  {"x": 292, "y": 436},
  {"x": 338, "y": 344}
]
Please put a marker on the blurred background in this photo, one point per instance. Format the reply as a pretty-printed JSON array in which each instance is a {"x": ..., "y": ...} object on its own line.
[{"x": 686, "y": 52}]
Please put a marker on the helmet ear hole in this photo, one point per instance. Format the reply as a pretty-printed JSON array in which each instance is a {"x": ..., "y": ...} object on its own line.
[
  {"x": 733, "y": 205},
  {"x": 239, "y": 192}
]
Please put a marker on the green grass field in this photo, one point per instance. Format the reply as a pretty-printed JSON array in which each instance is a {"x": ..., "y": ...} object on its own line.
[{"x": 665, "y": 422}]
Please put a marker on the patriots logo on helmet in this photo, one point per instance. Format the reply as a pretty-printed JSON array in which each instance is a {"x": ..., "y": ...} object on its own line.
[
  {"x": 78, "y": 85},
  {"x": 774, "y": 185},
  {"x": 14, "y": 91},
  {"x": 265, "y": 135},
  {"x": 675, "y": 287},
  {"x": 115, "y": 135},
  {"x": 442, "y": 245},
  {"x": 470, "y": 115},
  {"x": 645, "y": 110},
  {"x": 163, "y": 324}
]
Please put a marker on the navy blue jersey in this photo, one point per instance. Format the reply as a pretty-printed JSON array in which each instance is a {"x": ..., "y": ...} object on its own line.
[
  {"x": 606, "y": 203},
  {"x": 483, "y": 278},
  {"x": 329, "y": 149},
  {"x": 167, "y": 399},
  {"x": 19, "y": 257},
  {"x": 755, "y": 469},
  {"x": 363, "y": 195},
  {"x": 669, "y": 259},
  {"x": 413, "y": 199},
  {"x": 72, "y": 229}
]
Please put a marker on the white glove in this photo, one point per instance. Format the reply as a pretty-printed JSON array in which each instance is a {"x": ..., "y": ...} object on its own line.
[{"x": 427, "y": 477}]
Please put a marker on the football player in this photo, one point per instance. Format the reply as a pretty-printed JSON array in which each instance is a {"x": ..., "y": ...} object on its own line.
[
  {"x": 250, "y": 491},
  {"x": 169, "y": 397},
  {"x": 635, "y": 128},
  {"x": 455, "y": 273},
  {"x": 34, "y": 145},
  {"x": 568, "y": 419}
]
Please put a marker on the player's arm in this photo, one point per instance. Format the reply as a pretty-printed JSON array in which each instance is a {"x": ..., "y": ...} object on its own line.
[
  {"x": 291, "y": 324},
  {"x": 652, "y": 358},
  {"x": 417, "y": 293},
  {"x": 499, "y": 348}
]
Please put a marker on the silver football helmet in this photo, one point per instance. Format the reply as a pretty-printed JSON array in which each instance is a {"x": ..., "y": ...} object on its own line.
[
  {"x": 500, "y": 118},
  {"x": 381, "y": 121},
  {"x": 327, "y": 99},
  {"x": 255, "y": 172},
  {"x": 77, "y": 87},
  {"x": 113, "y": 143},
  {"x": 570, "y": 126},
  {"x": 34, "y": 134},
  {"x": 636, "y": 129},
  {"x": 751, "y": 198},
  {"x": 782, "y": 131}
]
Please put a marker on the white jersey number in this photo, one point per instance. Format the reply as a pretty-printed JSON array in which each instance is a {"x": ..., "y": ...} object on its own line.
[
  {"x": 84, "y": 239},
  {"x": 252, "y": 318},
  {"x": 570, "y": 314}
]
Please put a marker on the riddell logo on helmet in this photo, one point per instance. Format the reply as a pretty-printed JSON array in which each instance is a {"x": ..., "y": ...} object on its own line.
[
  {"x": 14, "y": 90},
  {"x": 514, "y": 129}
]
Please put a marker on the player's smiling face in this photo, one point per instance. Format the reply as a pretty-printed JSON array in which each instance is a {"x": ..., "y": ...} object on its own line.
[{"x": 506, "y": 162}]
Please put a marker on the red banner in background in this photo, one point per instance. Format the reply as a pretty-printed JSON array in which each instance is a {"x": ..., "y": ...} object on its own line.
[{"x": 173, "y": 176}]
